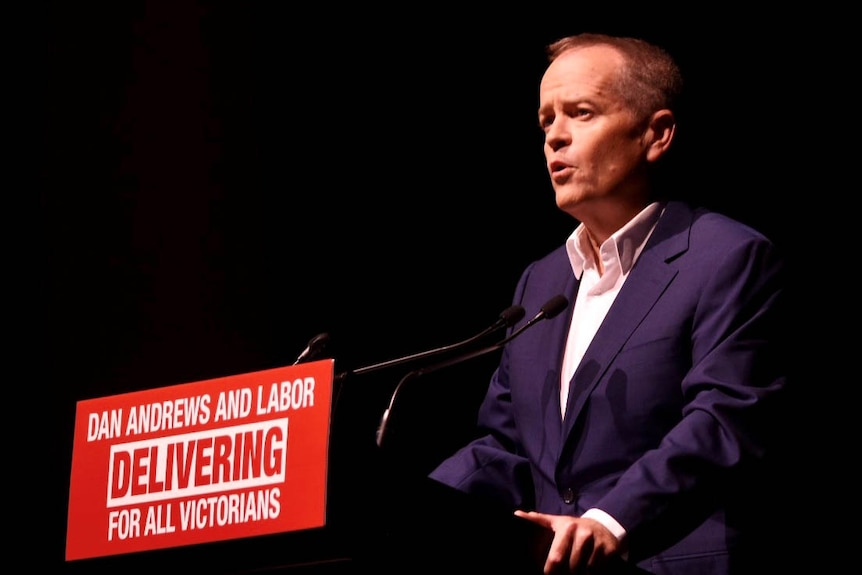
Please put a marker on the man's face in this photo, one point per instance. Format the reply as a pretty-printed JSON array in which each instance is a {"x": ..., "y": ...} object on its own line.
[{"x": 594, "y": 148}]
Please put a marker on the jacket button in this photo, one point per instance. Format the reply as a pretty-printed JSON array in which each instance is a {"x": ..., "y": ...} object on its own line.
[{"x": 568, "y": 495}]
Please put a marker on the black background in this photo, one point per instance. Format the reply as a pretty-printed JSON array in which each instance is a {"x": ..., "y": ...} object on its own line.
[{"x": 224, "y": 180}]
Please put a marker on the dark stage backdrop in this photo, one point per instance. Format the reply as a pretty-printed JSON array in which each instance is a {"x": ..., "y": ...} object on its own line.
[{"x": 224, "y": 180}]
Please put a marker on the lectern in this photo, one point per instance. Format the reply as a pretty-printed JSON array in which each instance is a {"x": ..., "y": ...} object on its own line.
[{"x": 247, "y": 474}]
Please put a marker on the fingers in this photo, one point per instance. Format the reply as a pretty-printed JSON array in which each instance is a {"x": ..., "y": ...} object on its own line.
[
  {"x": 562, "y": 557},
  {"x": 536, "y": 517},
  {"x": 580, "y": 553},
  {"x": 578, "y": 543}
]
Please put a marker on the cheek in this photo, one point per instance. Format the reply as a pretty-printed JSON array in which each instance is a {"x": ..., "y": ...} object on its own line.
[
  {"x": 597, "y": 151},
  {"x": 617, "y": 158}
]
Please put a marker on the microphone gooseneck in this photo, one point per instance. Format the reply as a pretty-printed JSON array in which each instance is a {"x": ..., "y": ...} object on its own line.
[{"x": 507, "y": 318}]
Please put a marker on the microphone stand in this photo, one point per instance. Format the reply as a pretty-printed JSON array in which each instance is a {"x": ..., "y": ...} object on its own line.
[
  {"x": 507, "y": 318},
  {"x": 552, "y": 307},
  {"x": 416, "y": 373}
]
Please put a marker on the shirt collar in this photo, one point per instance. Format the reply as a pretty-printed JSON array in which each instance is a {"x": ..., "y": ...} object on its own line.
[{"x": 625, "y": 244}]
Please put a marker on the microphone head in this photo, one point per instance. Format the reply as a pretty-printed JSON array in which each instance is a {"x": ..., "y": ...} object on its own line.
[
  {"x": 319, "y": 341},
  {"x": 315, "y": 347},
  {"x": 554, "y": 306},
  {"x": 512, "y": 315}
]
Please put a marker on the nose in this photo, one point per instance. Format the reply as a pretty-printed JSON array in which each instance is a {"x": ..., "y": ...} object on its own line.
[{"x": 556, "y": 136}]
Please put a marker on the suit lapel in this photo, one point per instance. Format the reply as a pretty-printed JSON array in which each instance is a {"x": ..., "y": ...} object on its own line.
[
  {"x": 646, "y": 282},
  {"x": 556, "y": 340}
]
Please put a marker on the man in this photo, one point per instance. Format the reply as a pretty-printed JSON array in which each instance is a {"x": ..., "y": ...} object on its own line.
[{"x": 636, "y": 426}]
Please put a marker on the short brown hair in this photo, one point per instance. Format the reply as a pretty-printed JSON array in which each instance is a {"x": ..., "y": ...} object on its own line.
[{"x": 651, "y": 79}]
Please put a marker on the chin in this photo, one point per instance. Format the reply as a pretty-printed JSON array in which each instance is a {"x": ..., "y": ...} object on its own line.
[{"x": 566, "y": 199}]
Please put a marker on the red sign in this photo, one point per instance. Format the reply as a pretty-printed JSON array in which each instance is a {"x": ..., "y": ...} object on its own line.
[{"x": 218, "y": 459}]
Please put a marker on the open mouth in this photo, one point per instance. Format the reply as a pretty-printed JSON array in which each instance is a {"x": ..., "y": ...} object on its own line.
[{"x": 559, "y": 171}]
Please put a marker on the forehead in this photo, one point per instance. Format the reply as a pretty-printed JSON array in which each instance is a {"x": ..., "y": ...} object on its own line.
[{"x": 590, "y": 69}]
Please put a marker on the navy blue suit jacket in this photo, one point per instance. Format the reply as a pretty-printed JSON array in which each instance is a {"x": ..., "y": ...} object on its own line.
[{"x": 670, "y": 413}]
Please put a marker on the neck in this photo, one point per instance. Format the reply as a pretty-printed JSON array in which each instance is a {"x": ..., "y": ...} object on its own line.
[{"x": 595, "y": 248}]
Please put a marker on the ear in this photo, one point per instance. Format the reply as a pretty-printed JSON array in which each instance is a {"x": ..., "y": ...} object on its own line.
[{"x": 659, "y": 134}]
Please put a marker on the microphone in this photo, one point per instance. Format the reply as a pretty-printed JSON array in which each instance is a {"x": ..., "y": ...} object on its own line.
[
  {"x": 507, "y": 318},
  {"x": 552, "y": 308},
  {"x": 314, "y": 348}
]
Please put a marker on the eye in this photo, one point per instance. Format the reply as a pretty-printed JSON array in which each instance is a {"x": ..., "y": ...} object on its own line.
[{"x": 582, "y": 113}]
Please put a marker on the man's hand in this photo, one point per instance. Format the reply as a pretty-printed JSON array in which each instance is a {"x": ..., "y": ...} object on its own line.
[{"x": 580, "y": 545}]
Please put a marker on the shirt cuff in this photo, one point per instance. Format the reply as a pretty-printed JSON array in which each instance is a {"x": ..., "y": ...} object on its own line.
[{"x": 606, "y": 520}]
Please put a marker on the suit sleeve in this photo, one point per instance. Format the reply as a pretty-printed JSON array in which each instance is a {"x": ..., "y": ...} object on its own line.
[{"x": 491, "y": 466}]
